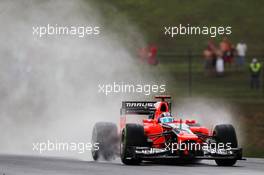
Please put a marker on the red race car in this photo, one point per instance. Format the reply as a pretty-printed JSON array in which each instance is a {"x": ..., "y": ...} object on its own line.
[{"x": 163, "y": 137}]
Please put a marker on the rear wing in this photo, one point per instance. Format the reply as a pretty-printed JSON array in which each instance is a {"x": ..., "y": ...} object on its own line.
[{"x": 137, "y": 107}]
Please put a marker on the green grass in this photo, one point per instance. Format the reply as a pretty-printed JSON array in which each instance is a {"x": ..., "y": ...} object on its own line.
[{"x": 150, "y": 17}]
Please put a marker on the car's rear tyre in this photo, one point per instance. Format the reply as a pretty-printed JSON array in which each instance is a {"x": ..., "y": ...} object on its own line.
[
  {"x": 132, "y": 135},
  {"x": 105, "y": 135},
  {"x": 225, "y": 134}
]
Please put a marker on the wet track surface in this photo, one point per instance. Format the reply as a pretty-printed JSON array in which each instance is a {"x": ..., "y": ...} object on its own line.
[{"x": 21, "y": 165}]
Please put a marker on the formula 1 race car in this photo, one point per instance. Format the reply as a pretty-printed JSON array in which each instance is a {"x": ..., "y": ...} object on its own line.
[{"x": 163, "y": 137}]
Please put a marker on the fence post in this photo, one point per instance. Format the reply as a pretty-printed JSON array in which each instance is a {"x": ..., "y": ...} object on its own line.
[{"x": 262, "y": 78}]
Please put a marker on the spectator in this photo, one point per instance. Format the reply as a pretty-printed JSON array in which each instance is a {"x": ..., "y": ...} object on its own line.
[
  {"x": 220, "y": 67},
  {"x": 209, "y": 57},
  {"x": 211, "y": 47},
  {"x": 226, "y": 48},
  {"x": 152, "y": 55},
  {"x": 255, "y": 70},
  {"x": 148, "y": 54},
  {"x": 208, "y": 61},
  {"x": 241, "y": 50}
]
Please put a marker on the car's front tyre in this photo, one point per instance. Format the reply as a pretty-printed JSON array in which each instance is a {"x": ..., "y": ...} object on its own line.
[
  {"x": 132, "y": 135},
  {"x": 225, "y": 134}
]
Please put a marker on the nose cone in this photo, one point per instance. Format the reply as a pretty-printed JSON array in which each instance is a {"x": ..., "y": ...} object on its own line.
[{"x": 187, "y": 137}]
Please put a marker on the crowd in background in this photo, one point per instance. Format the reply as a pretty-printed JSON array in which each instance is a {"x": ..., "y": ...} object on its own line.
[{"x": 217, "y": 56}]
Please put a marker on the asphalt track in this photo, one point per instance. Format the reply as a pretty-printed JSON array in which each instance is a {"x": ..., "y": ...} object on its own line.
[{"x": 28, "y": 165}]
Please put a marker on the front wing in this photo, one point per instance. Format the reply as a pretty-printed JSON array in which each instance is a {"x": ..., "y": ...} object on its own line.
[{"x": 146, "y": 153}]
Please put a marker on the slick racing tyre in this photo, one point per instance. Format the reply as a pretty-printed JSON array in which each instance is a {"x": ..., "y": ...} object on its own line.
[
  {"x": 132, "y": 135},
  {"x": 105, "y": 135},
  {"x": 225, "y": 134}
]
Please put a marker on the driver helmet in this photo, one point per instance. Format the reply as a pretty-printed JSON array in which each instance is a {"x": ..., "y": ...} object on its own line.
[
  {"x": 165, "y": 114},
  {"x": 166, "y": 117}
]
